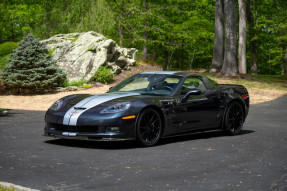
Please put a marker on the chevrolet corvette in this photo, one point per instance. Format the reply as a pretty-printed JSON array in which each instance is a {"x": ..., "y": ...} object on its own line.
[{"x": 149, "y": 106}]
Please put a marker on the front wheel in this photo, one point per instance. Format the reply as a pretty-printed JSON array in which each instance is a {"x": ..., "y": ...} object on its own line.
[
  {"x": 234, "y": 118},
  {"x": 149, "y": 127}
]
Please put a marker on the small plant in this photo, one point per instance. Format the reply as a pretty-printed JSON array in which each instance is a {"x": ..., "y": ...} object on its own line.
[
  {"x": 4, "y": 61},
  {"x": 3, "y": 111},
  {"x": 51, "y": 51},
  {"x": 86, "y": 86},
  {"x": 73, "y": 83},
  {"x": 75, "y": 39},
  {"x": 7, "y": 48},
  {"x": 90, "y": 49},
  {"x": 103, "y": 75}
]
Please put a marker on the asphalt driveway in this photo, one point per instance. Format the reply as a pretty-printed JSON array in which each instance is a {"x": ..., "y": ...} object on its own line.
[{"x": 254, "y": 160}]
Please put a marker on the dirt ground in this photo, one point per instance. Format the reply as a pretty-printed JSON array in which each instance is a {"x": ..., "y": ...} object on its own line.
[{"x": 43, "y": 102}]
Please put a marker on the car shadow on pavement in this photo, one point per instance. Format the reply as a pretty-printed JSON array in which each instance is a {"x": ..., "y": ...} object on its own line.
[
  {"x": 197, "y": 136},
  {"x": 109, "y": 145},
  {"x": 116, "y": 145}
]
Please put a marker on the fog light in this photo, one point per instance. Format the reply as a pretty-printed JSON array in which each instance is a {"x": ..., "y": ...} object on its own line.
[{"x": 113, "y": 129}]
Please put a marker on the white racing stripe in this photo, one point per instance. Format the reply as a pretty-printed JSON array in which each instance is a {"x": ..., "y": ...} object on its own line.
[{"x": 72, "y": 115}]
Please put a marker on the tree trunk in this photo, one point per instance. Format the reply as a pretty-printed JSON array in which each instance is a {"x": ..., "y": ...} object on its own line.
[
  {"x": 283, "y": 72},
  {"x": 252, "y": 33},
  {"x": 218, "y": 48},
  {"x": 120, "y": 27},
  {"x": 154, "y": 57},
  {"x": 120, "y": 34},
  {"x": 230, "y": 66},
  {"x": 182, "y": 55},
  {"x": 145, "y": 56},
  {"x": 242, "y": 37},
  {"x": 166, "y": 61},
  {"x": 191, "y": 60},
  {"x": 269, "y": 58}
]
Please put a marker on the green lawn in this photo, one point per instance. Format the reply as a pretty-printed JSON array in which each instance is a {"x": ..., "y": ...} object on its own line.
[
  {"x": 6, "y": 189},
  {"x": 276, "y": 82}
]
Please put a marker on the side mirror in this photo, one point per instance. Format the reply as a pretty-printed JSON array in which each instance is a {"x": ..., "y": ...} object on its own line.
[{"x": 190, "y": 93}]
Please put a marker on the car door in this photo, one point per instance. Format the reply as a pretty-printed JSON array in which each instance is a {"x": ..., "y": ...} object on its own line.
[{"x": 195, "y": 112}]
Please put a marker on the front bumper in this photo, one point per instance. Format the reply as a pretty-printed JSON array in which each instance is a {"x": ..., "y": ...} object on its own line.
[{"x": 116, "y": 129}]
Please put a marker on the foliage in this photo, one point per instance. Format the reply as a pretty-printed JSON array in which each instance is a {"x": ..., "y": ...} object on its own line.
[
  {"x": 270, "y": 35},
  {"x": 86, "y": 86},
  {"x": 2, "y": 188},
  {"x": 51, "y": 51},
  {"x": 73, "y": 83},
  {"x": 3, "y": 112},
  {"x": 4, "y": 61},
  {"x": 103, "y": 75},
  {"x": 178, "y": 34},
  {"x": 31, "y": 68},
  {"x": 7, "y": 48}
]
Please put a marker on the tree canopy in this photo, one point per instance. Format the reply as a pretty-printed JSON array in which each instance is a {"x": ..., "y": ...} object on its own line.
[{"x": 178, "y": 34}]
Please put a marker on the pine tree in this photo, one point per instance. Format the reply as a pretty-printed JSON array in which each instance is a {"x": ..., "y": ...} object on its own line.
[{"x": 31, "y": 67}]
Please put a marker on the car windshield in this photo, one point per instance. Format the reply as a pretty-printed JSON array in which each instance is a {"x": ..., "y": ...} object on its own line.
[{"x": 149, "y": 84}]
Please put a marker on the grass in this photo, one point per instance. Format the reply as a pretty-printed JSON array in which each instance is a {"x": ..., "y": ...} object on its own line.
[
  {"x": 75, "y": 39},
  {"x": 270, "y": 82},
  {"x": 51, "y": 51},
  {"x": 73, "y": 83},
  {"x": 6, "y": 189}
]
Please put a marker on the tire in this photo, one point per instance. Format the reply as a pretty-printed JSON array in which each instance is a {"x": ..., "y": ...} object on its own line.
[
  {"x": 149, "y": 127},
  {"x": 234, "y": 119}
]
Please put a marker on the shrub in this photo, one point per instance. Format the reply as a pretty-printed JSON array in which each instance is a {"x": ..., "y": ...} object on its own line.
[
  {"x": 103, "y": 75},
  {"x": 31, "y": 67},
  {"x": 7, "y": 48},
  {"x": 72, "y": 83},
  {"x": 4, "y": 61},
  {"x": 86, "y": 86}
]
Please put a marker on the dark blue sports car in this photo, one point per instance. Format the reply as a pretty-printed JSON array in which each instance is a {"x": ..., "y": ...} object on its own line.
[{"x": 148, "y": 106}]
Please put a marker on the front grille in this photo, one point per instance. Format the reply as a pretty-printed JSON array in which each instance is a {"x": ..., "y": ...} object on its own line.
[{"x": 75, "y": 129}]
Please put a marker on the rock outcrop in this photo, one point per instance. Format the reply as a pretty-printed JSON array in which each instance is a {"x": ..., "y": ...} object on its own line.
[{"x": 81, "y": 54}]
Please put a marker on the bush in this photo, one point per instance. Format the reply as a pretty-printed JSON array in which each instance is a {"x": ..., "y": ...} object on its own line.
[
  {"x": 7, "y": 48},
  {"x": 31, "y": 67},
  {"x": 4, "y": 61},
  {"x": 72, "y": 83},
  {"x": 103, "y": 75}
]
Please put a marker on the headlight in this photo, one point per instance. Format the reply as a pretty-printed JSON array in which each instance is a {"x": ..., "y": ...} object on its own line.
[
  {"x": 116, "y": 108},
  {"x": 57, "y": 105}
]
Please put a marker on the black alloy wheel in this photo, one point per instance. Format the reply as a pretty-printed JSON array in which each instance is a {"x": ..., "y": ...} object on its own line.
[
  {"x": 234, "y": 118},
  {"x": 149, "y": 127}
]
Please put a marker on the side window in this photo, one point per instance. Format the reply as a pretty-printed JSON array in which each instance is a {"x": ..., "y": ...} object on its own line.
[
  {"x": 213, "y": 83},
  {"x": 192, "y": 83}
]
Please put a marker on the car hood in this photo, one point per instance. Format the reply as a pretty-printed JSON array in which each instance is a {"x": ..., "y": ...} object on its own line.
[{"x": 89, "y": 102}]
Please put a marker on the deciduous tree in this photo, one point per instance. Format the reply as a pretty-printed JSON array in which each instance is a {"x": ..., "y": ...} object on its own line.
[
  {"x": 218, "y": 47},
  {"x": 230, "y": 66}
]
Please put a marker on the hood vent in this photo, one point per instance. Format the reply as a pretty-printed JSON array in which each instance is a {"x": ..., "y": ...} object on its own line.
[{"x": 80, "y": 108}]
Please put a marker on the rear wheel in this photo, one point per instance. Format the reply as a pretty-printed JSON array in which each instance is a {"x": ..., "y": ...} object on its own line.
[
  {"x": 234, "y": 118},
  {"x": 149, "y": 127}
]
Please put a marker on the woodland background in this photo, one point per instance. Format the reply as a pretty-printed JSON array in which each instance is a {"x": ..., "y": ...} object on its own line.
[{"x": 178, "y": 34}]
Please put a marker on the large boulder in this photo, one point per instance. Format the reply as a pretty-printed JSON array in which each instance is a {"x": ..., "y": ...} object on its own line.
[{"x": 81, "y": 54}]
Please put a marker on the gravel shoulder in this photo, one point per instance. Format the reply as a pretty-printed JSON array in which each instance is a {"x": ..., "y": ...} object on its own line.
[{"x": 42, "y": 102}]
